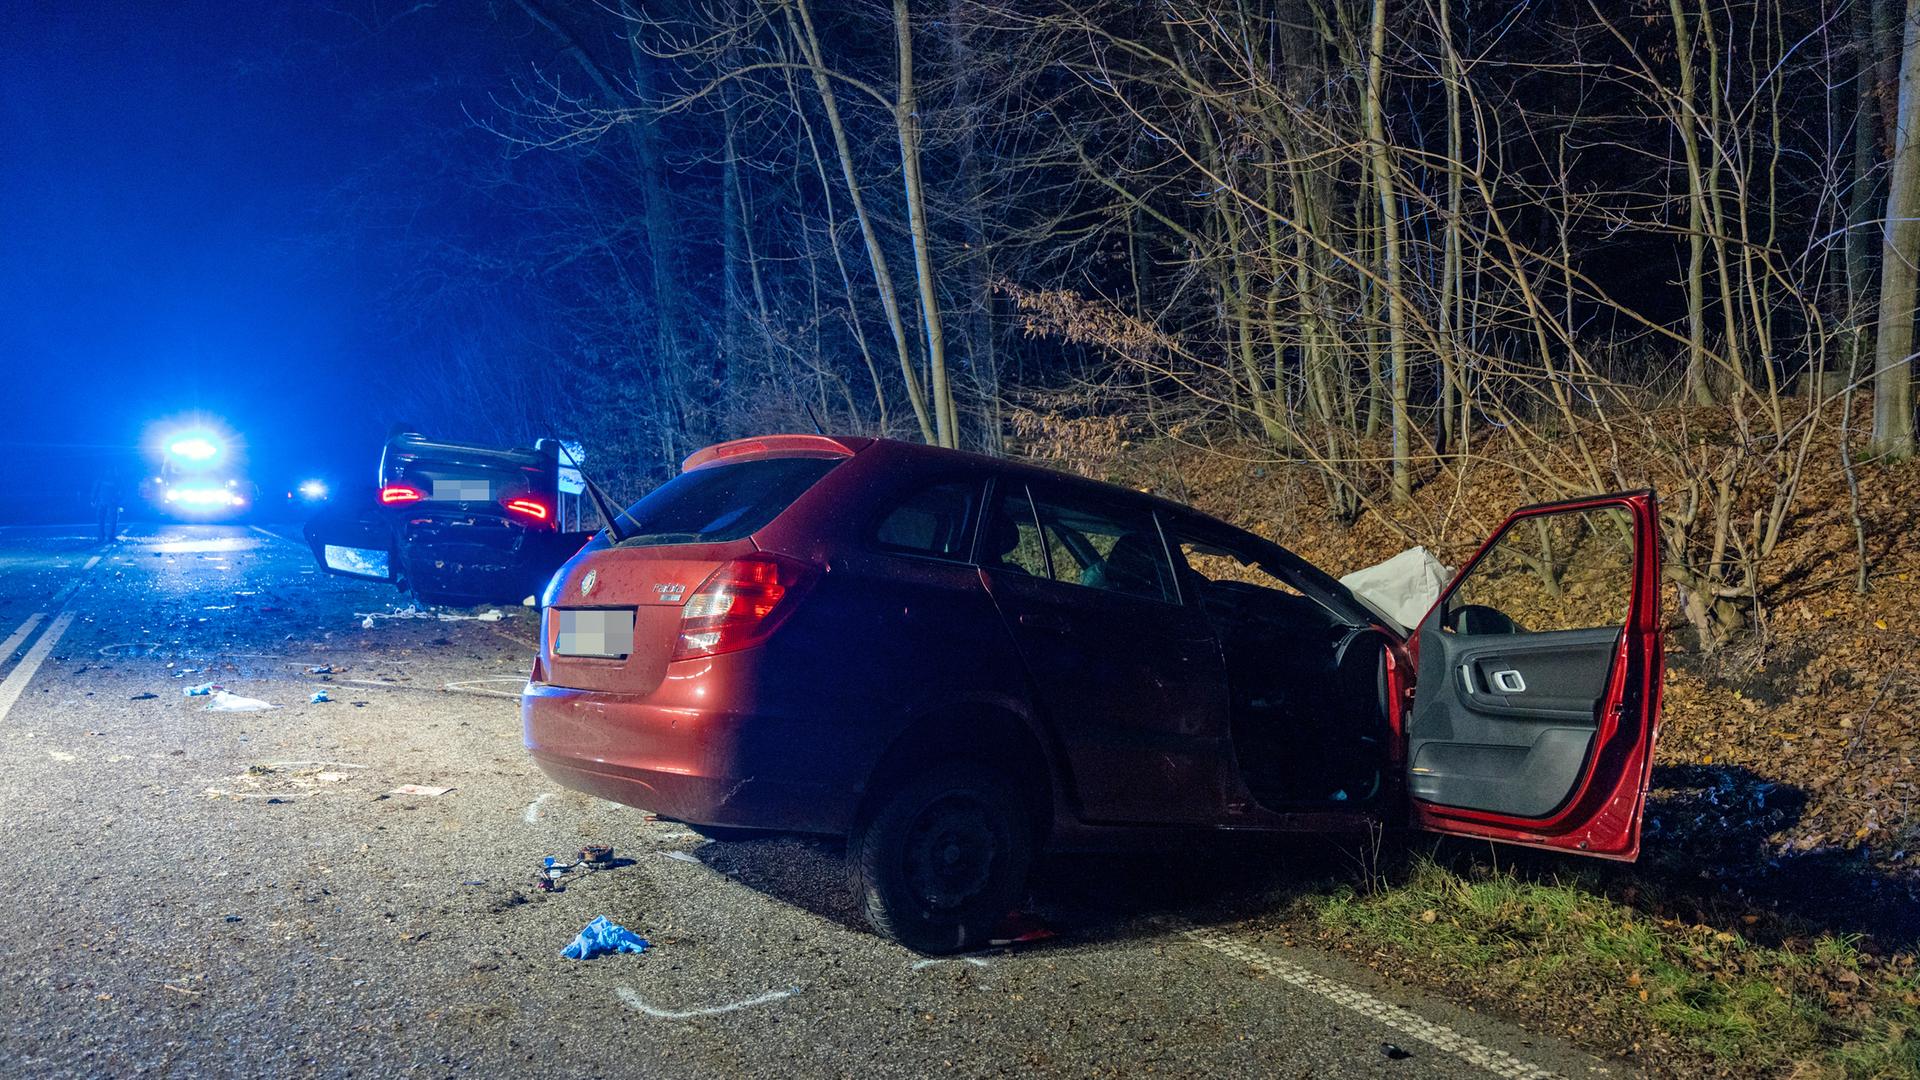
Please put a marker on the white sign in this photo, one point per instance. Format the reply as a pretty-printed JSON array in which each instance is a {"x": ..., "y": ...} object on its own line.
[{"x": 571, "y": 482}]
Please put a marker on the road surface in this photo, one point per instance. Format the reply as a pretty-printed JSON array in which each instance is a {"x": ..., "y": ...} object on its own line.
[{"x": 193, "y": 892}]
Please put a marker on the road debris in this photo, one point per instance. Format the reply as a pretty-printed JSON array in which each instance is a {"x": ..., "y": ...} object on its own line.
[
  {"x": 1394, "y": 1053},
  {"x": 597, "y": 854},
  {"x": 143, "y": 697},
  {"x": 318, "y": 697},
  {"x": 601, "y": 937},
  {"x": 203, "y": 690},
  {"x": 225, "y": 702},
  {"x": 1019, "y": 929},
  {"x": 419, "y": 789},
  {"x": 320, "y": 669}
]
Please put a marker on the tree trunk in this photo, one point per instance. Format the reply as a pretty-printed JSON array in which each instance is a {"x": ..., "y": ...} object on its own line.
[
  {"x": 1390, "y": 252},
  {"x": 1893, "y": 351},
  {"x": 809, "y": 43},
  {"x": 945, "y": 420}
]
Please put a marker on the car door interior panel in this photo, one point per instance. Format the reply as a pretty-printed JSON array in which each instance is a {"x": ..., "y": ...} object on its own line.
[{"x": 1514, "y": 665}]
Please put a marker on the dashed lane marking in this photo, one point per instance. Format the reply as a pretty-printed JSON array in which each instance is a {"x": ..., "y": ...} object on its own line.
[
  {"x": 16, "y": 681},
  {"x": 18, "y": 637},
  {"x": 91, "y": 563},
  {"x": 271, "y": 535},
  {"x": 1438, "y": 1036}
]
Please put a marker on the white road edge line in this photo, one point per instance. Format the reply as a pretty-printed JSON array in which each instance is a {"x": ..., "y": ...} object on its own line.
[
  {"x": 91, "y": 563},
  {"x": 14, "y": 639},
  {"x": 634, "y": 1001},
  {"x": 1438, "y": 1036},
  {"x": 16, "y": 681}
]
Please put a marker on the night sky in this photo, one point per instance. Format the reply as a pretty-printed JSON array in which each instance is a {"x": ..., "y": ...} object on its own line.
[{"x": 177, "y": 201}]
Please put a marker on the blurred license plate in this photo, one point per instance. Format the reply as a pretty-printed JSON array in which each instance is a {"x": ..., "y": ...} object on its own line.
[
  {"x": 594, "y": 632},
  {"x": 463, "y": 490}
]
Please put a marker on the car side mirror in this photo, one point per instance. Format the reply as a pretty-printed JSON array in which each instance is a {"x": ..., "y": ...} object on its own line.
[{"x": 1479, "y": 619}]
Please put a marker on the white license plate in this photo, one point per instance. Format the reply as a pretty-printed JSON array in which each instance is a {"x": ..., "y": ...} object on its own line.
[
  {"x": 602, "y": 632},
  {"x": 462, "y": 491}
]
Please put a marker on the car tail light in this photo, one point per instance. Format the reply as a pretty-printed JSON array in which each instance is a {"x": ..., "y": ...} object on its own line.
[
  {"x": 531, "y": 509},
  {"x": 740, "y": 605},
  {"x": 395, "y": 494}
]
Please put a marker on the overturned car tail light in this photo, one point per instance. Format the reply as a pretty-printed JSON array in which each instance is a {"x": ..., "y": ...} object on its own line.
[
  {"x": 531, "y": 509},
  {"x": 395, "y": 494},
  {"x": 740, "y": 605}
]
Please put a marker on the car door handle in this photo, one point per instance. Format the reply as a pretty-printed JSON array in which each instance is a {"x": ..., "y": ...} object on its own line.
[
  {"x": 1054, "y": 624},
  {"x": 1509, "y": 681}
]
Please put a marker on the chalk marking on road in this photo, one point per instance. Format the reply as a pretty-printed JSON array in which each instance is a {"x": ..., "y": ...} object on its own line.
[
  {"x": 16, "y": 682},
  {"x": 296, "y": 764},
  {"x": 91, "y": 563},
  {"x": 19, "y": 637},
  {"x": 271, "y": 535},
  {"x": 466, "y": 686},
  {"x": 532, "y": 816},
  {"x": 922, "y": 965},
  {"x": 634, "y": 1001},
  {"x": 1408, "y": 1023}
]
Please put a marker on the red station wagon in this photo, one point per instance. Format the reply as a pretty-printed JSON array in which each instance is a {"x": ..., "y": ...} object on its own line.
[{"x": 953, "y": 661}]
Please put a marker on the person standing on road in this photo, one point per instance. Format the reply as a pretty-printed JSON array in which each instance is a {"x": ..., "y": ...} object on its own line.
[{"x": 106, "y": 506}]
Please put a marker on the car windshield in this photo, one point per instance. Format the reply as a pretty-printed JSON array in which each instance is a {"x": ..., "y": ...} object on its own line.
[{"x": 718, "y": 503}]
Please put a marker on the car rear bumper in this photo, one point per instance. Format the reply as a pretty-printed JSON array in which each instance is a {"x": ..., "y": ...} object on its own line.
[{"x": 706, "y": 767}]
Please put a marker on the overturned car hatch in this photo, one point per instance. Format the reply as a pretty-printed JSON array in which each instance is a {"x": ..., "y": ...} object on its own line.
[{"x": 453, "y": 523}]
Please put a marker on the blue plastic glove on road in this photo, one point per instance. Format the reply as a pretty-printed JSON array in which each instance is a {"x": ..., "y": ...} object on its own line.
[{"x": 601, "y": 937}]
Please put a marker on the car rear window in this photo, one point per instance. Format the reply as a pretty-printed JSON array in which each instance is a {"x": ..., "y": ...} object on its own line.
[{"x": 718, "y": 503}]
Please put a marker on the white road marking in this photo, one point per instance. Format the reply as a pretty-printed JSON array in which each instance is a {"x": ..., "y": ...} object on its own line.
[
  {"x": 15, "y": 639},
  {"x": 472, "y": 686},
  {"x": 532, "y": 816},
  {"x": 634, "y": 1001},
  {"x": 91, "y": 563},
  {"x": 922, "y": 965},
  {"x": 270, "y": 534},
  {"x": 1438, "y": 1036},
  {"x": 16, "y": 682}
]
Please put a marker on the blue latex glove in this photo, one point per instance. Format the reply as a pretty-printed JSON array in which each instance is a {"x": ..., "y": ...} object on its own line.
[{"x": 601, "y": 937}]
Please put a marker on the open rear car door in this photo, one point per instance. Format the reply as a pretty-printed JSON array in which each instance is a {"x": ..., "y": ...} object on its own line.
[{"x": 1537, "y": 694}]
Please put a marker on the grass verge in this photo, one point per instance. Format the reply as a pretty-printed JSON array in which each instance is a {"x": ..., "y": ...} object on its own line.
[{"x": 1679, "y": 998}]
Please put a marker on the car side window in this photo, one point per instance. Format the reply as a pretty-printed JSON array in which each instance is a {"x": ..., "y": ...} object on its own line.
[
  {"x": 1011, "y": 540},
  {"x": 1106, "y": 547},
  {"x": 1571, "y": 570},
  {"x": 935, "y": 521}
]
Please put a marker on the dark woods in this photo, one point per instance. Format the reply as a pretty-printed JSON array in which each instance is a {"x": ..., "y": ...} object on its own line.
[{"x": 1597, "y": 244}]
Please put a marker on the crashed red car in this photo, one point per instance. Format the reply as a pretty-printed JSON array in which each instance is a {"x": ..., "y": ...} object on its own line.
[{"x": 954, "y": 661}]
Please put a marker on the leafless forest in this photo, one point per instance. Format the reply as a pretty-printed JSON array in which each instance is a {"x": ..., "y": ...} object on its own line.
[{"x": 1596, "y": 244}]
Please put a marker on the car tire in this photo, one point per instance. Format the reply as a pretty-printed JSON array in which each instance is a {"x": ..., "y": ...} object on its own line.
[{"x": 944, "y": 859}]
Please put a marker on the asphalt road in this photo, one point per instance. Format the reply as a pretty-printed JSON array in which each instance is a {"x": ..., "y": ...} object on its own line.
[{"x": 191, "y": 892}]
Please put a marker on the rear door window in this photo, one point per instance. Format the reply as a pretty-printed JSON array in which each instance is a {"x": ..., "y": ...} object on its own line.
[
  {"x": 719, "y": 503},
  {"x": 1011, "y": 541},
  {"x": 935, "y": 521},
  {"x": 1105, "y": 547}
]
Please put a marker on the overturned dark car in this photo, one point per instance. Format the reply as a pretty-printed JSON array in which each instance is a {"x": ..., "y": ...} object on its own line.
[{"x": 453, "y": 523}]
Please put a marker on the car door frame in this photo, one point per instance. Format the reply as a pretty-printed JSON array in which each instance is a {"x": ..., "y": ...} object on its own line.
[
  {"x": 1602, "y": 815},
  {"x": 1087, "y": 747}
]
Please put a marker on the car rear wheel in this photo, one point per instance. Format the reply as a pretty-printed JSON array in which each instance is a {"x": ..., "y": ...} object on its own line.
[{"x": 944, "y": 859}]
